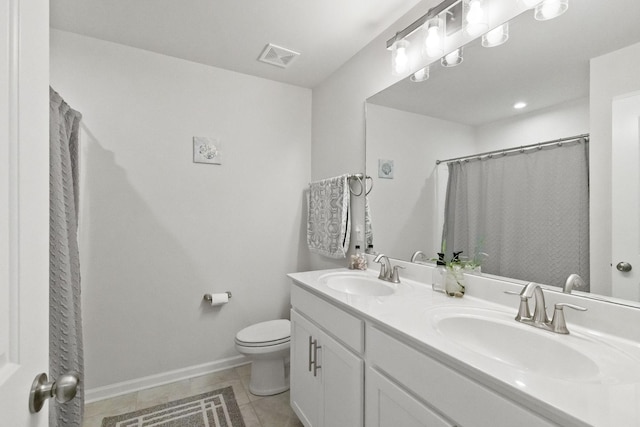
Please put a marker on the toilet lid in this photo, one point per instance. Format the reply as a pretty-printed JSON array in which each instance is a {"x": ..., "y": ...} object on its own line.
[{"x": 266, "y": 333}]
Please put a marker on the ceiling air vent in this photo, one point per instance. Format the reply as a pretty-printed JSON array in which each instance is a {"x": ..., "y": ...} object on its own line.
[{"x": 278, "y": 56}]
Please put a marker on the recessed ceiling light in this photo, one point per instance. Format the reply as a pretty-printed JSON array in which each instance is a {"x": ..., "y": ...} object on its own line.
[{"x": 519, "y": 105}]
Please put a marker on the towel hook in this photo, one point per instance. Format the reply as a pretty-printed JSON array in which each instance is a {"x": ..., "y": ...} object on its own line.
[
  {"x": 362, "y": 180},
  {"x": 365, "y": 184}
]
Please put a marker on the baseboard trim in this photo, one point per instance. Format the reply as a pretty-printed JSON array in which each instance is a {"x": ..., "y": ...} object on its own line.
[{"x": 113, "y": 390}]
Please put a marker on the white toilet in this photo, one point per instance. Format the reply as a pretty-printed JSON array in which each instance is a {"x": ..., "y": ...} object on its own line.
[{"x": 267, "y": 343}]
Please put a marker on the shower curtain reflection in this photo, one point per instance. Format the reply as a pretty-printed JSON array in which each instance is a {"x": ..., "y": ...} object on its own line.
[
  {"x": 529, "y": 211},
  {"x": 65, "y": 322}
]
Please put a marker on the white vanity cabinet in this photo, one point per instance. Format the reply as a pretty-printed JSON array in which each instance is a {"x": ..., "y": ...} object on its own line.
[
  {"x": 456, "y": 397},
  {"x": 327, "y": 377},
  {"x": 405, "y": 386}
]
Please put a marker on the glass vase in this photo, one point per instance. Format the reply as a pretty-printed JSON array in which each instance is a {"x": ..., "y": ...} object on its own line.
[{"x": 454, "y": 282}]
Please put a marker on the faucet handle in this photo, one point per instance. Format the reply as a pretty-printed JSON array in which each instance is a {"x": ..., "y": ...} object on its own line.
[
  {"x": 561, "y": 305},
  {"x": 512, "y": 293},
  {"x": 395, "y": 277},
  {"x": 558, "y": 323},
  {"x": 523, "y": 309}
]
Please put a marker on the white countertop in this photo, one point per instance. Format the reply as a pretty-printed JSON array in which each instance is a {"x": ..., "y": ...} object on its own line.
[{"x": 608, "y": 397}]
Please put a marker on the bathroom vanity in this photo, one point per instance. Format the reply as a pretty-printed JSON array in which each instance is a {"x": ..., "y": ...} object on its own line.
[{"x": 372, "y": 353}]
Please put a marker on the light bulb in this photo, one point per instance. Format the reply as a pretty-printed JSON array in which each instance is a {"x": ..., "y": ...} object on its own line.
[
  {"x": 550, "y": 9},
  {"x": 475, "y": 14},
  {"x": 497, "y": 36},
  {"x": 400, "y": 58},
  {"x": 420, "y": 75},
  {"x": 433, "y": 40},
  {"x": 452, "y": 59},
  {"x": 519, "y": 105},
  {"x": 476, "y": 18}
]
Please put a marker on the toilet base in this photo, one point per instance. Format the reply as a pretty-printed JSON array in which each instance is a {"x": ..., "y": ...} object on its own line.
[{"x": 269, "y": 376}]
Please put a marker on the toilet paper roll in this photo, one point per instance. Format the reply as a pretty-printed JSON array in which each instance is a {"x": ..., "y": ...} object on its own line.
[{"x": 219, "y": 299}]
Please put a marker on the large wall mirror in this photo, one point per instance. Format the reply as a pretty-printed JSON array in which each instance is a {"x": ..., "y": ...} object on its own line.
[{"x": 567, "y": 70}]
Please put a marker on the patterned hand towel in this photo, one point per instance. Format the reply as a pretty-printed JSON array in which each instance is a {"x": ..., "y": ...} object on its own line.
[
  {"x": 368, "y": 228},
  {"x": 329, "y": 222}
]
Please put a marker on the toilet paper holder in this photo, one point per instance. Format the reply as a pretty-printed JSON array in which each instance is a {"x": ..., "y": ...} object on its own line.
[{"x": 208, "y": 297}]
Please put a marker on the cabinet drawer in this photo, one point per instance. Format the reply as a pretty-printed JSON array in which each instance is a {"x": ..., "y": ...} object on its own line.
[
  {"x": 342, "y": 325},
  {"x": 460, "y": 398}
]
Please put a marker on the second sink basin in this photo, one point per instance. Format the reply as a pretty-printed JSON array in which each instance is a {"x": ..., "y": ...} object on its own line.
[
  {"x": 517, "y": 345},
  {"x": 490, "y": 335},
  {"x": 357, "y": 284}
]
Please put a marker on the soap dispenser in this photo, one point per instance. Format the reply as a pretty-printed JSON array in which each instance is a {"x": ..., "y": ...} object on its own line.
[{"x": 439, "y": 274}]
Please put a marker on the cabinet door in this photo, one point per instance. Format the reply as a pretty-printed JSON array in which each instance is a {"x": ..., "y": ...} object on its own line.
[
  {"x": 305, "y": 387},
  {"x": 342, "y": 385},
  {"x": 388, "y": 405}
]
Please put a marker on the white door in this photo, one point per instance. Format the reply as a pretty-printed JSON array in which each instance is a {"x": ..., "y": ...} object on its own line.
[
  {"x": 24, "y": 206},
  {"x": 304, "y": 381},
  {"x": 625, "y": 197},
  {"x": 388, "y": 405},
  {"x": 342, "y": 376}
]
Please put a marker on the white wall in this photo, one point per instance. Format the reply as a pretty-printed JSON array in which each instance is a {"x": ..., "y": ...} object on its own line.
[
  {"x": 158, "y": 231},
  {"x": 559, "y": 121},
  {"x": 612, "y": 75},
  {"x": 407, "y": 209}
]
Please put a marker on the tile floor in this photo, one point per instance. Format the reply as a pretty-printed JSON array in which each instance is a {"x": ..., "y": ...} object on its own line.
[{"x": 257, "y": 411}]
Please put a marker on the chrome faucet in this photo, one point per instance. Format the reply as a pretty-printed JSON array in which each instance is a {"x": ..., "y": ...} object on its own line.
[
  {"x": 416, "y": 255},
  {"x": 573, "y": 281},
  {"x": 386, "y": 272},
  {"x": 540, "y": 309},
  {"x": 540, "y": 319}
]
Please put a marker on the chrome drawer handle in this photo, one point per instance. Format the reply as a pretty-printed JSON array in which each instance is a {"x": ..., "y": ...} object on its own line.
[{"x": 315, "y": 358}]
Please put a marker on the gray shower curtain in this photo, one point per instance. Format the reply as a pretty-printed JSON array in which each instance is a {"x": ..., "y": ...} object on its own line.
[
  {"x": 65, "y": 322},
  {"x": 528, "y": 211}
]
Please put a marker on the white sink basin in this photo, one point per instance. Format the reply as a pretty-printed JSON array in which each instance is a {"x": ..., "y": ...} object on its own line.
[
  {"x": 496, "y": 336},
  {"x": 357, "y": 284},
  {"x": 520, "y": 346}
]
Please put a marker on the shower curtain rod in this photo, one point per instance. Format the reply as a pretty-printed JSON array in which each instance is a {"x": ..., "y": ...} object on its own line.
[{"x": 584, "y": 136}]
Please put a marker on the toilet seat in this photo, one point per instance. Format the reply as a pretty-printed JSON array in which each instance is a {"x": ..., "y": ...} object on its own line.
[{"x": 265, "y": 334}]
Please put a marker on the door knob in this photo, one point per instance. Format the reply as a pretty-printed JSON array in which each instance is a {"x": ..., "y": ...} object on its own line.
[
  {"x": 623, "y": 266},
  {"x": 63, "y": 390}
]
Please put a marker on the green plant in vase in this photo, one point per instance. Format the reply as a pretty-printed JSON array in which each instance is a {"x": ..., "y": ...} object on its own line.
[{"x": 454, "y": 282}]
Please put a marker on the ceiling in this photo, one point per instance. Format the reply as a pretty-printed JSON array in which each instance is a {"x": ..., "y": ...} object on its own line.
[
  {"x": 542, "y": 63},
  {"x": 231, "y": 34}
]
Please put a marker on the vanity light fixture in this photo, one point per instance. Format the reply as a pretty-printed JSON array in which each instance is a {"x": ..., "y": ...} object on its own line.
[
  {"x": 452, "y": 59},
  {"x": 400, "y": 57},
  {"x": 550, "y": 9},
  {"x": 519, "y": 105},
  {"x": 497, "y": 36},
  {"x": 446, "y": 18},
  {"x": 476, "y": 17},
  {"x": 434, "y": 38},
  {"x": 433, "y": 23},
  {"x": 420, "y": 75}
]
